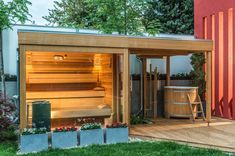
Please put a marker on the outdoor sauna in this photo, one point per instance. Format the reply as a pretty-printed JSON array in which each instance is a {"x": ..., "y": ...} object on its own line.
[
  {"x": 77, "y": 85},
  {"x": 84, "y": 75}
]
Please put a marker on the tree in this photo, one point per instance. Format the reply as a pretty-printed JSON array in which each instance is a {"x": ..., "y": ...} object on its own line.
[
  {"x": 10, "y": 13},
  {"x": 175, "y": 16},
  {"x": 121, "y": 16}
]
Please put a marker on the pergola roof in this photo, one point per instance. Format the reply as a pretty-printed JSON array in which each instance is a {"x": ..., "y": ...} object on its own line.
[{"x": 147, "y": 46}]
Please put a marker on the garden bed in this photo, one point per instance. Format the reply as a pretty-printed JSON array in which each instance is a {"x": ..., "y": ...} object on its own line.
[
  {"x": 64, "y": 138},
  {"x": 91, "y": 133}
]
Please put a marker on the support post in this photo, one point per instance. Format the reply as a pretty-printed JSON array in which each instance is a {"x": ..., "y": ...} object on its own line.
[
  {"x": 150, "y": 88},
  {"x": 126, "y": 87},
  {"x": 208, "y": 87},
  {"x": 168, "y": 71},
  {"x": 117, "y": 89},
  {"x": 155, "y": 86},
  {"x": 145, "y": 86},
  {"x": 114, "y": 89},
  {"x": 23, "y": 107}
]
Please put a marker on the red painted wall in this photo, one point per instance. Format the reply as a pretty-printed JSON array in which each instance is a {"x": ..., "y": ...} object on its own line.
[{"x": 215, "y": 19}]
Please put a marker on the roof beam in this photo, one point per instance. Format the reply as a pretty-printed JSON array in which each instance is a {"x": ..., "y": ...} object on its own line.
[{"x": 112, "y": 41}]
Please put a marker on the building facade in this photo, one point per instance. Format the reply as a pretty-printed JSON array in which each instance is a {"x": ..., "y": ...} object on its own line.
[{"x": 215, "y": 19}]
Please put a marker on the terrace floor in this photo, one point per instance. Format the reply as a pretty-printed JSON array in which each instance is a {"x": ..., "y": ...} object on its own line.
[{"x": 220, "y": 134}]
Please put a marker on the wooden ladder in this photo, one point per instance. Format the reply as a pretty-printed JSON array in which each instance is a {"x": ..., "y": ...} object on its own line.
[{"x": 194, "y": 105}]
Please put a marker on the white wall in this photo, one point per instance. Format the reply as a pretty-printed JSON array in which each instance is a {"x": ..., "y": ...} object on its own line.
[
  {"x": 178, "y": 64},
  {"x": 10, "y": 44}
]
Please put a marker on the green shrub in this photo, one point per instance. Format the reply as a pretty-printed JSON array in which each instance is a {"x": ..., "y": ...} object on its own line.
[
  {"x": 8, "y": 135},
  {"x": 7, "y": 118},
  {"x": 198, "y": 73},
  {"x": 135, "y": 119}
]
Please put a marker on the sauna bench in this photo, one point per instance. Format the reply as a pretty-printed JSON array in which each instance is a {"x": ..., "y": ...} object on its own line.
[
  {"x": 35, "y": 95},
  {"x": 76, "y": 112},
  {"x": 176, "y": 103},
  {"x": 70, "y": 104}
]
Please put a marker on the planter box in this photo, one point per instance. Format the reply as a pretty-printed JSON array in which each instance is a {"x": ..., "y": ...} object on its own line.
[
  {"x": 89, "y": 137},
  {"x": 33, "y": 143},
  {"x": 116, "y": 135},
  {"x": 64, "y": 139}
]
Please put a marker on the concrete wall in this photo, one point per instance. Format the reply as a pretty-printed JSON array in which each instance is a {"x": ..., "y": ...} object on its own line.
[{"x": 11, "y": 88}]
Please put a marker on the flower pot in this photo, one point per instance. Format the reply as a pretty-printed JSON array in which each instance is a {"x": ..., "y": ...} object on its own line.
[
  {"x": 33, "y": 143},
  {"x": 93, "y": 136},
  {"x": 116, "y": 135},
  {"x": 64, "y": 139}
]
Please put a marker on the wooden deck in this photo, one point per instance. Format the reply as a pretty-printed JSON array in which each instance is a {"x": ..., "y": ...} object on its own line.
[{"x": 220, "y": 134}]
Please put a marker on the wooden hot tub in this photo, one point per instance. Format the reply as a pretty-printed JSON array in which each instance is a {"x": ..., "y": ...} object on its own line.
[{"x": 176, "y": 100}]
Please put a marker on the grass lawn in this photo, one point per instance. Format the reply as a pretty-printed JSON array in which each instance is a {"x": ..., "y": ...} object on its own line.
[{"x": 129, "y": 149}]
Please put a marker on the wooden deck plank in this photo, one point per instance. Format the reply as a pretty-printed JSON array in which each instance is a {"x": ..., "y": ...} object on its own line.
[{"x": 220, "y": 133}]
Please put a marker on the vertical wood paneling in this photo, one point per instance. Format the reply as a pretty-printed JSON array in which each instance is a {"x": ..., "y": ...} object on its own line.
[
  {"x": 221, "y": 62},
  {"x": 230, "y": 60},
  {"x": 233, "y": 42},
  {"x": 225, "y": 65},
  {"x": 213, "y": 63},
  {"x": 205, "y": 29},
  {"x": 217, "y": 112}
]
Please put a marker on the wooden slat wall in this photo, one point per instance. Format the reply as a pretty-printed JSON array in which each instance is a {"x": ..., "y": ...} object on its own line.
[
  {"x": 43, "y": 69},
  {"x": 47, "y": 59},
  {"x": 106, "y": 76}
]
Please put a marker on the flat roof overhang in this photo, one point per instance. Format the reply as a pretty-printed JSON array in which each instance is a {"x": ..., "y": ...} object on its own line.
[{"x": 136, "y": 45}]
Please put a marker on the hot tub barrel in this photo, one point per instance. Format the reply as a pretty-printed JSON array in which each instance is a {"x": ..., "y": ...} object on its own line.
[{"x": 176, "y": 102}]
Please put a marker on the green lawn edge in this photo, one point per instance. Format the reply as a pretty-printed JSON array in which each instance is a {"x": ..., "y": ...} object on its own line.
[{"x": 147, "y": 148}]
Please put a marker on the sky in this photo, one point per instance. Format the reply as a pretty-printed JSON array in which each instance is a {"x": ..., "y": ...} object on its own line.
[{"x": 38, "y": 9}]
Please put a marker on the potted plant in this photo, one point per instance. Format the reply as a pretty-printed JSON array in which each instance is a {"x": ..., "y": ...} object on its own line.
[
  {"x": 91, "y": 133},
  {"x": 33, "y": 140},
  {"x": 116, "y": 133},
  {"x": 64, "y": 137}
]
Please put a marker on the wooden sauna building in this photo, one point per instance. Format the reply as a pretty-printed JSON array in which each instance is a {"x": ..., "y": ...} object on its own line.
[{"x": 88, "y": 75}]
